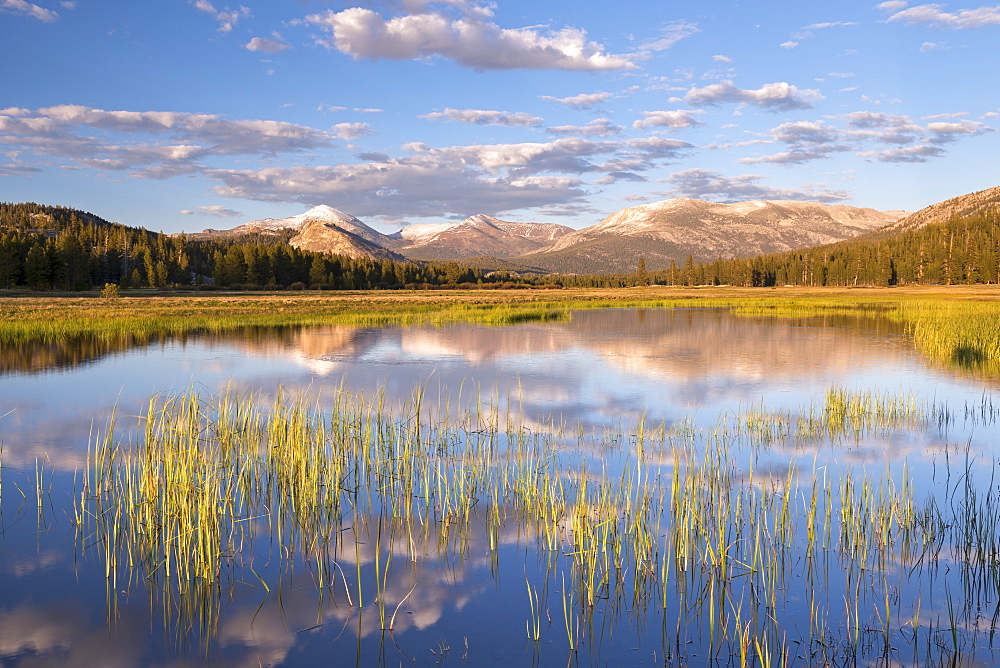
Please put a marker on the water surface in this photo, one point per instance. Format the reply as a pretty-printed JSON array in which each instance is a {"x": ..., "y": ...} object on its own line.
[{"x": 597, "y": 376}]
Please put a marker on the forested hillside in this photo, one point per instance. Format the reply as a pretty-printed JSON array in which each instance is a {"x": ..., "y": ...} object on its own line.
[
  {"x": 47, "y": 247},
  {"x": 962, "y": 250}
]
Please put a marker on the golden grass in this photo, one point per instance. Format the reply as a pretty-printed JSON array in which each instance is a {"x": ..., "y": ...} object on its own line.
[{"x": 713, "y": 544}]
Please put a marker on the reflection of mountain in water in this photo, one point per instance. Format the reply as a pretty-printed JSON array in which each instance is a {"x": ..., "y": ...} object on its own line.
[
  {"x": 675, "y": 344},
  {"x": 671, "y": 343},
  {"x": 686, "y": 344}
]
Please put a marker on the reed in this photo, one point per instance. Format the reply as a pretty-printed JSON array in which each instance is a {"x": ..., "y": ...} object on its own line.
[{"x": 683, "y": 523}]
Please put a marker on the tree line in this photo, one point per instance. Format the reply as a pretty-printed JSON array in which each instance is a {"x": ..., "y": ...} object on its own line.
[
  {"x": 963, "y": 250},
  {"x": 45, "y": 247}
]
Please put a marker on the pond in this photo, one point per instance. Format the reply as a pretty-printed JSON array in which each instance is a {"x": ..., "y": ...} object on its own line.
[{"x": 625, "y": 487}]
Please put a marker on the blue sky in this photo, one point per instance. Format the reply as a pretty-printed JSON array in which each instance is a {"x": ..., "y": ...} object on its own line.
[{"x": 187, "y": 114}]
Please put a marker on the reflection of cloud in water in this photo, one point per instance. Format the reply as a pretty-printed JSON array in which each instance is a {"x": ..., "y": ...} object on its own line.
[
  {"x": 600, "y": 368},
  {"x": 40, "y": 562},
  {"x": 64, "y": 636}
]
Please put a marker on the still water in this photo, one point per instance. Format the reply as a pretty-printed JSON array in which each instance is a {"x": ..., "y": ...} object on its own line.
[{"x": 494, "y": 597}]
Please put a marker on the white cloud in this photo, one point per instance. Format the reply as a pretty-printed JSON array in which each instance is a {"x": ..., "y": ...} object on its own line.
[
  {"x": 159, "y": 143},
  {"x": 892, "y": 5},
  {"x": 215, "y": 211},
  {"x": 813, "y": 140},
  {"x": 812, "y": 132},
  {"x": 24, "y": 8},
  {"x": 227, "y": 18},
  {"x": 615, "y": 177},
  {"x": 680, "y": 118},
  {"x": 806, "y": 32},
  {"x": 351, "y": 131},
  {"x": 831, "y": 24},
  {"x": 469, "y": 40},
  {"x": 707, "y": 184},
  {"x": 948, "y": 132},
  {"x": 934, "y": 15},
  {"x": 937, "y": 117},
  {"x": 453, "y": 180},
  {"x": 432, "y": 185},
  {"x": 794, "y": 157},
  {"x": 266, "y": 45},
  {"x": 670, "y": 35},
  {"x": 907, "y": 154},
  {"x": 484, "y": 117},
  {"x": 722, "y": 59},
  {"x": 582, "y": 101},
  {"x": 807, "y": 141},
  {"x": 778, "y": 96},
  {"x": 600, "y": 127}
]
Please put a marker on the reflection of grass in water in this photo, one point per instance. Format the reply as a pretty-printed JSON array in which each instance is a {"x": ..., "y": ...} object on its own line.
[{"x": 709, "y": 540}]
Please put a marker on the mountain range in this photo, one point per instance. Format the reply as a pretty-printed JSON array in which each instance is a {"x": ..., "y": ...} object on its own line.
[{"x": 660, "y": 233}]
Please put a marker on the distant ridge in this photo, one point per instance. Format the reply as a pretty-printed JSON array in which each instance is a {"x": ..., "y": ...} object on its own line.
[
  {"x": 660, "y": 233},
  {"x": 962, "y": 206},
  {"x": 671, "y": 230},
  {"x": 476, "y": 235}
]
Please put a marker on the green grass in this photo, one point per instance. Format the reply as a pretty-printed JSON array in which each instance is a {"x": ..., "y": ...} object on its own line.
[{"x": 679, "y": 523}]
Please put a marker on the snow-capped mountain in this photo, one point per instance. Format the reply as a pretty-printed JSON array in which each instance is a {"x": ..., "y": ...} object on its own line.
[
  {"x": 321, "y": 213},
  {"x": 661, "y": 232},
  {"x": 327, "y": 237},
  {"x": 675, "y": 228},
  {"x": 476, "y": 235}
]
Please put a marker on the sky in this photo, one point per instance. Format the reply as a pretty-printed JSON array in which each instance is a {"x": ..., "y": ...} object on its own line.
[{"x": 181, "y": 115}]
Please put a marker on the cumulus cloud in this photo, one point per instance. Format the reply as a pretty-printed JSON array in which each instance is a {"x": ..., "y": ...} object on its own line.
[
  {"x": 793, "y": 157},
  {"x": 215, "y": 211},
  {"x": 266, "y": 45},
  {"x": 484, "y": 117},
  {"x": 948, "y": 132},
  {"x": 805, "y": 132},
  {"x": 162, "y": 143},
  {"x": 429, "y": 181},
  {"x": 710, "y": 185},
  {"x": 470, "y": 39},
  {"x": 670, "y": 34},
  {"x": 227, "y": 18},
  {"x": 722, "y": 59},
  {"x": 898, "y": 129},
  {"x": 680, "y": 118},
  {"x": 417, "y": 186},
  {"x": 807, "y": 141},
  {"x": 615, "y": 177},
  {"x": 351, "y": 131},
  {"x": 582, "y": 101},
  {"x": 24, "y": 8},
  {"x": 919, "y": 153},
  {"x": 814, "y": 140},
  {"x": 935, "y": 16},
  {"x": 778, "y": 96},
  {"x": 600, "y": 127}
]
